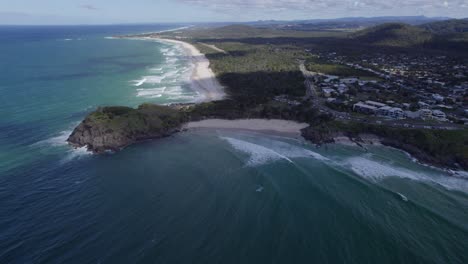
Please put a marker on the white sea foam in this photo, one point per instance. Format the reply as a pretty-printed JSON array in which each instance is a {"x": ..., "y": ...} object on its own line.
[
  {"x": 171, "y": 60},
  {"x": 170, "y": 53},
  {"x": 258, "y": 154},
  {"x": 57, "y": 140},
  {"x": 76, "y": 153},
  {"x": 458, "y": 173},
  {"x": 151, "y": 93},
  {"x": 173, "y": 74},
  {"x": 140, "y": 82},
  {"x": 60, "y": 140},
  {"x": 276, "y": 150},
  {"x": 153, "y": 79},
  {"x": 159, "y": 69},
  {"x": 378, "y": 170},
  {"x": 404, "y": 198}
]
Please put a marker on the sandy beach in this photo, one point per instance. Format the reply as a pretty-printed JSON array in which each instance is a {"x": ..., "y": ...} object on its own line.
[
  {"x": 268, "y": 125},
  {"x": 203, "y": 80}
]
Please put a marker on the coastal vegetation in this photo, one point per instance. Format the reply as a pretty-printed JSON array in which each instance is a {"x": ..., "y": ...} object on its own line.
[
  {"x": 322, "y": 66},
  {"x": 253, "y": 76},
  {"x": 112, "y": 128},
  {"x": 447, "y": 148}
]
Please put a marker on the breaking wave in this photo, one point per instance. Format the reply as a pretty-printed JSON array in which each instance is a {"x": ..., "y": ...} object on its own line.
[
  {"x": 55, "y": 141},
  {"x": 170, "y": 79},
  {"x": 259, "y": 154},
  {"x": 266, "y": 150},
  {"x": 377, "y": 171}
]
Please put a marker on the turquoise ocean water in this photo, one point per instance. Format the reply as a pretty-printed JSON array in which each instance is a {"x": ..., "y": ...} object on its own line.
[{"x": 207, "y": 196}]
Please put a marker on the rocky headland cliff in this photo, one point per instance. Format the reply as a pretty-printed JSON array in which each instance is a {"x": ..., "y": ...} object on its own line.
[{"x": 113, "y": 128}]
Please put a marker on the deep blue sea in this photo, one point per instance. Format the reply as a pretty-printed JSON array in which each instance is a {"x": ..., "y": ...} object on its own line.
[{"x": 206, "y": 196}]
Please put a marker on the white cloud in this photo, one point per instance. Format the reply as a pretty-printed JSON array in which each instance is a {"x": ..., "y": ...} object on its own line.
[{"x": 88, "y": 7}]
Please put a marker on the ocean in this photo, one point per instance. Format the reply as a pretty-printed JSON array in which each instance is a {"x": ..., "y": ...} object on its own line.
[{"x": 204, "y": 196}]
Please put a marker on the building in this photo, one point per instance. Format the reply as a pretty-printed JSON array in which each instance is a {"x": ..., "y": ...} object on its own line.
[
  {"x": 342, "y": 88},
  {"x": 391, "y": 112},
  {"x": 327, "y": 92},
  {"x": 364, "y": 108},
  {"x": 425, "y": 113},
  {"x": 375, "y": 104},
  {"x": 438, "y": 97},
  {"x": 413, "y": 115},
  {"x": 439, "y": 115},
  {"x": 423, "y": 105}
]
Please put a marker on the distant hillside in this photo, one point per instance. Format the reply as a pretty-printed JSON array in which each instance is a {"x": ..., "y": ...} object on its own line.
[
  {"x": 447, "y": 27},
  {"x": 238, "y": 31},
  {"x": 233, "y": 31},
  {"x": 346, "y": 23},
  {"x": 394, "y": 34}
]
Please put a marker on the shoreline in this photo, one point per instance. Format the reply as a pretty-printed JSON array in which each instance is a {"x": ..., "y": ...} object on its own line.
[{"x": 203, "y": 80}]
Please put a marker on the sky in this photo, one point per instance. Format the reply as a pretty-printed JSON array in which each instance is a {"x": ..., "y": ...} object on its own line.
[{"x": 154, "y": 11}]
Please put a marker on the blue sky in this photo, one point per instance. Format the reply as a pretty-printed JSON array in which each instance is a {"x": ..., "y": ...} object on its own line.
[{"x": 136, "y": 11}]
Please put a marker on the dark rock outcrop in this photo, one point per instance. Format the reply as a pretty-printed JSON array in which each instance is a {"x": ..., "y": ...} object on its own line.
[{"x": 113, "y": 128}]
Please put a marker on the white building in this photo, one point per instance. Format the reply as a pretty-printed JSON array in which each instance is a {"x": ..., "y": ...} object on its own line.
[
  {"x": 438, "y": 97},
  {"x": 425, "y": 113},
  {"x": 391, "y": 112},
  {"x": 364, "y": 108},
  {"x": 327, "y": 92},
  {"x": 342, "y": 88},
  {"x": 423, "y": 105},
  {"x": 439, "y": 115},
  {"x": 375, "y": 104},
  {"x": 413, "y": 115}
]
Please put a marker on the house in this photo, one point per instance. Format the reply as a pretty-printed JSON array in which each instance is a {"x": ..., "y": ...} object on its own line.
[
  {"x": 423, "y": 105},
  {"x": 439, "y": 115},
  {"x": 342, "y": 88},
  {"x": 391, "y": 112},
  {"x": 425, "y": 113},
  {"x": 413, "y": 115},
  {"x": 438, "y": 97},
  {"x": 375, "y": 104},
  {"x": 327, "y": 92},
  {"x": 364, "y": 108}
]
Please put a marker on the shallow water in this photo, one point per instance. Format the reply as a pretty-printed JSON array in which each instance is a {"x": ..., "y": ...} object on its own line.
[{"x": 205, "y": 196}]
